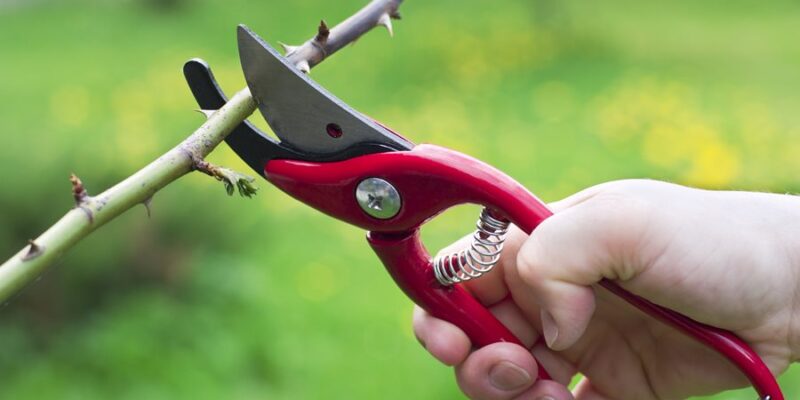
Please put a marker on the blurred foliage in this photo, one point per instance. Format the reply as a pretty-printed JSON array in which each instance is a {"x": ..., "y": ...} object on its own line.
[{"x": 216, "y": 297}]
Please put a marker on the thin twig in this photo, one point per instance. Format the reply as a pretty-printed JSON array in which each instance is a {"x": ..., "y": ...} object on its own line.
[{"x": 92, "y": 212}]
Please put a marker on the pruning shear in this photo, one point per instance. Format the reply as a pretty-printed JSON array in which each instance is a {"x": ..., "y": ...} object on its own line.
[{"x": 354, "y": 169}]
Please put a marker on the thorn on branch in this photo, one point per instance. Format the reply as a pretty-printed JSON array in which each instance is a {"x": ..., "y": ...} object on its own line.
[
  {"x": 395, "y": 14},
  {"x": 34, "y": 250},
  {"x": 386, "y": 21},
  {"x": 146, "y": 203},
  {"x": 78, "y": 191},
  {"x": 287, "y": 49},
  {"x": 322, "y": 32},
  {"x": 233, "y": 180},
  {"x": 207, "y": 113},
  {"x": 303, "y": 66}
]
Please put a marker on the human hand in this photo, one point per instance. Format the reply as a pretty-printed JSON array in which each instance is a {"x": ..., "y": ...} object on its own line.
[{"x": 728, "y": 259}]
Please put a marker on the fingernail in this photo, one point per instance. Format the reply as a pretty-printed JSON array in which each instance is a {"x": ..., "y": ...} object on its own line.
[
  {"x": 550, "y": 328},
  {"x": 507, "y": 376}
]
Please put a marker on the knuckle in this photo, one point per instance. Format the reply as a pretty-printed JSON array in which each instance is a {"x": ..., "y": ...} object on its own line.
[
  {"x": 625, "y": 215},
  {"x": 625, "y": 201}
]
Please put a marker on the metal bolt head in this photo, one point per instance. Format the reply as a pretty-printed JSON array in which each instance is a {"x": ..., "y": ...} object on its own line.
[{"x": 378, "y": 198}]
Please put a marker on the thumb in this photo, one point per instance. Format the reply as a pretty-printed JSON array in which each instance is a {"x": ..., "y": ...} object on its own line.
[{"x": 584, "y": 242}]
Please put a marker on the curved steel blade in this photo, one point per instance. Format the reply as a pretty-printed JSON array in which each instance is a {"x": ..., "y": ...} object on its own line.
[{"x": 302, "y": 113}]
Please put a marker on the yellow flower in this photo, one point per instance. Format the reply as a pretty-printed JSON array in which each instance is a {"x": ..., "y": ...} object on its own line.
[{"x": 714, "y": 164}]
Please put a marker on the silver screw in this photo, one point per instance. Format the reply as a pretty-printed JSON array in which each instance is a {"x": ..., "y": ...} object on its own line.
[{"x": 378, "y": 198}]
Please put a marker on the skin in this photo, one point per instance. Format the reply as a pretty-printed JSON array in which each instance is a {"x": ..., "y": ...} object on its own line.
[{"x": 728, "y": 259}]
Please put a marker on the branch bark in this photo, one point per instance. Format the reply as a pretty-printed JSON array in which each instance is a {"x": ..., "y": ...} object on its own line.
[{"x": 92, "y": 212}]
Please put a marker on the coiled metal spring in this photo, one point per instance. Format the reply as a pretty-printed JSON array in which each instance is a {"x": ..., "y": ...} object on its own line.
[{"x": 479, "y": 258}]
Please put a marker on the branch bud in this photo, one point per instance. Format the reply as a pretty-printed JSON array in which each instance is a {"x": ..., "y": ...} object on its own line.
[
  {"x": 322, "y": 32},
  {"x": 78, "y": 191}
]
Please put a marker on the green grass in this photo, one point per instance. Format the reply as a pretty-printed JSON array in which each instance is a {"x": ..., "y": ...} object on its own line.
[{"x": 216, "y": 297}]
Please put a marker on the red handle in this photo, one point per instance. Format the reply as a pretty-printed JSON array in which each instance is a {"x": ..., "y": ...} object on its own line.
[{"x": 431, "y": 179}]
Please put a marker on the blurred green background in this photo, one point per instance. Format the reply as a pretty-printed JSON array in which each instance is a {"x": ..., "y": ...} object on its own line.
[{"x": 216, "y": 297}]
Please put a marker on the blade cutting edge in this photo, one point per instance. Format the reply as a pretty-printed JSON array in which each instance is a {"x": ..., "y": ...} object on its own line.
[{"x": 302, "y": 113}]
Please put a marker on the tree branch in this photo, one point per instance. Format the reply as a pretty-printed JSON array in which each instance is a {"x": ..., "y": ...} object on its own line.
[{"x": 92, "y": 212}]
